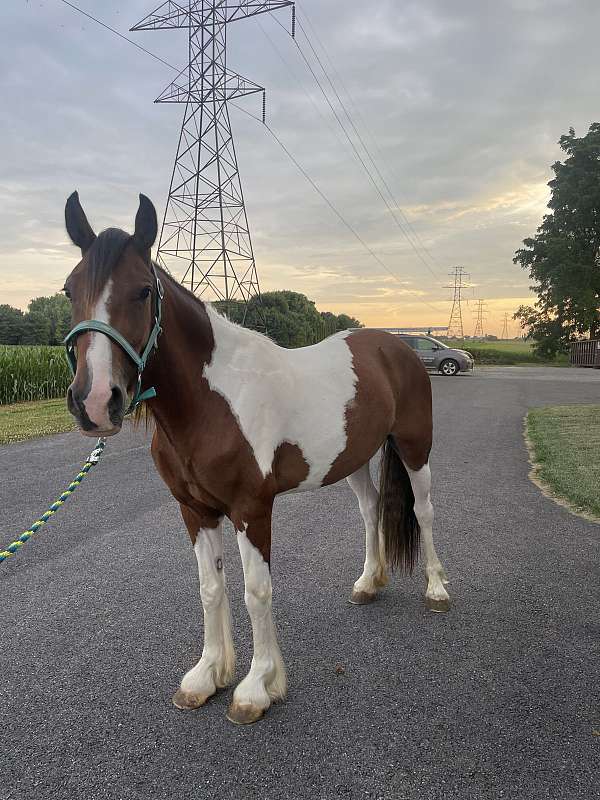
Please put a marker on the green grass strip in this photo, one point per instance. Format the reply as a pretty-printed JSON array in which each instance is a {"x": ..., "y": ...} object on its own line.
[
  {"x": 566, "y": 451},
  {"x": 23, "y": 421}
]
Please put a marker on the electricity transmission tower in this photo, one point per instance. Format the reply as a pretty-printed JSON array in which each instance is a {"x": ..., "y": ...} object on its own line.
[
  {"x": 455, "y": 325},
  {"x": 505, "y": 327},
  {"x": 205, "y": 239},
  {"x": 481, "y": 313}
]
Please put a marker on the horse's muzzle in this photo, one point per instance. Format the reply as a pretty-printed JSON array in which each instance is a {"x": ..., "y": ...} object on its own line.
[{"x": 115, "y": 412}]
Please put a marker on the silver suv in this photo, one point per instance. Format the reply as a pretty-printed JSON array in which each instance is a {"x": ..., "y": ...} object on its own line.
[{"x": 438, "y": 356}]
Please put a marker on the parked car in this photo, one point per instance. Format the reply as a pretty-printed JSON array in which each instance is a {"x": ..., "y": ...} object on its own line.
[{"x": 438, "y": 356}]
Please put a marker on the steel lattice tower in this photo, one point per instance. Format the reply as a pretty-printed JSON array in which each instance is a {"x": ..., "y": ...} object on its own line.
[
  {"x": 505, "y": 326},
  {"x": 481, "y": 313},
  {"x": 205, "y": 239},
  {"x": 455, "y": 325}
]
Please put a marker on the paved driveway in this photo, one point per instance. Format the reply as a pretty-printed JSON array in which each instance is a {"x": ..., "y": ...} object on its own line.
[{"x": 498, "y": 698}]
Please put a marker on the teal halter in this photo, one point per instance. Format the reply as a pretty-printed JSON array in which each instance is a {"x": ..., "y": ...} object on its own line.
[{"x": 108, "y": 330}]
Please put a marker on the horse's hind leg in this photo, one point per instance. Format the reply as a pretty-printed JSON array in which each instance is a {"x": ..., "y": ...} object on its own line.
[
  {"x": 217, "y": 664},
  {"x": 374, "y": 574},
  {"x": 436, "y": 596}
]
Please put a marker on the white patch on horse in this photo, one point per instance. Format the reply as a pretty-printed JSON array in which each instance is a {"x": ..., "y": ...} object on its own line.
[
  {"x": 99, "y": 363},
  {"x": 277, "y": 395}
]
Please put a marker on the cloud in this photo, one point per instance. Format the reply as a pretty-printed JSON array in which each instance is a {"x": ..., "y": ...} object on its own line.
[{"x": 461, "y": 105}]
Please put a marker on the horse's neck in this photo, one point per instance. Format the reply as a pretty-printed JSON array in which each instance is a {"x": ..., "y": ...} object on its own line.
[{"x": 198, "y": 343}]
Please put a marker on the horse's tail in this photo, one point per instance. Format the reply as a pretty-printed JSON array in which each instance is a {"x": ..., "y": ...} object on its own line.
[{"x": 395, "y": 511}]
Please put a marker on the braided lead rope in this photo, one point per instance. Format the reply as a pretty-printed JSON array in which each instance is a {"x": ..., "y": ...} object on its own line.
[{"x": 93, "y": 458}]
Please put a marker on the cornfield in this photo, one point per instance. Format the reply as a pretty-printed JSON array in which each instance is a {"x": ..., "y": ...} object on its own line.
[{"x": 32, "y": 373}]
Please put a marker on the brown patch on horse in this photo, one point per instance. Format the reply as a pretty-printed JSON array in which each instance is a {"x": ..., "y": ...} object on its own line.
[
  {"x": 391, "y": 386},
  {"x": 289, "y": 467}
]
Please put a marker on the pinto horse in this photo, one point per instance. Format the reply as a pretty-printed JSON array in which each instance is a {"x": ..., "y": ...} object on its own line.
[{"x": 238, "y": 421}]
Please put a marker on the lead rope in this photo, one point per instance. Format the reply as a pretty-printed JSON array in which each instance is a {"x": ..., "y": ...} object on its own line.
[{"x": 93, "y": 458}]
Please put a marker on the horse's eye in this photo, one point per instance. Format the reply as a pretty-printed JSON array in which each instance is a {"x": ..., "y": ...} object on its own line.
[
  {"x": 67, "y": 293},
  {"x": 145, "y": 293}
]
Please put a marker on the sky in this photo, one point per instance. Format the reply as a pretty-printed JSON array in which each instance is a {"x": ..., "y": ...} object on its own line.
[{"x": 461, "y": 105}]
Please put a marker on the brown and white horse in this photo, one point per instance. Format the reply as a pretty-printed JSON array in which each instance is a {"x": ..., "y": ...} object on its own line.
[{"x": 239, "y": 421}]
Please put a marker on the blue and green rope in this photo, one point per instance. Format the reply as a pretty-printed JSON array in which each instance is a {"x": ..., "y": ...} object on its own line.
[{"x": 15, "y": 546}]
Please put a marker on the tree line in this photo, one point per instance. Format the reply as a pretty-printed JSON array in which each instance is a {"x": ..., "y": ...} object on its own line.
[
  {"x": 289, "y": 318},
  {"x": 46, "y": 321}
]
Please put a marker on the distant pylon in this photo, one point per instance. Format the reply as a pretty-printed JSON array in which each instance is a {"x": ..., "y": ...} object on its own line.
[
  {"x": 505, "y": 327},
  {"x": 455, "y": 325},
  {"x": 205, "y": 239},
  {"x": 481, "y": 313}
]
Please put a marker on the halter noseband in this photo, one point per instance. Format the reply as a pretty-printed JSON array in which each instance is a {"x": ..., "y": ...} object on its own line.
[{"x": 108, "y": 330}]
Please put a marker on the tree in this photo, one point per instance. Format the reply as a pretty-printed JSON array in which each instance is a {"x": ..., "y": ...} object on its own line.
[
  {"x": 563, "y": 257},
  {"x": 48, "y": 320},
  {"x": 12, "y": 325},
  {"x": 292, "y": 320}
]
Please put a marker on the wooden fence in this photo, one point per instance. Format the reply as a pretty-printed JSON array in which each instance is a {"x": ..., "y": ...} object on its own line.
[{"x": 585, "y": 353}]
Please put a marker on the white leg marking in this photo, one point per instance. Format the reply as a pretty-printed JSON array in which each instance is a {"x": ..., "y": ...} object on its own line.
[
  {"x": 99, "y": 362},
  {"x": 374, "y": 573},
  {"x": 266, "y": 680},
  {"x": 436, "y": 595},
  {"x": 217, "y": 666}
]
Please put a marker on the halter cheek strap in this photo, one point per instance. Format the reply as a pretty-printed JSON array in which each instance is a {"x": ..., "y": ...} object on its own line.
[{"x": 139, "y": 360}]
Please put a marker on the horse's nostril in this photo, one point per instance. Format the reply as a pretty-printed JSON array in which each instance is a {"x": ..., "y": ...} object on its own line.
[
  {"x": 115, "y": 404},
  {"x": 73, "y": 401}
]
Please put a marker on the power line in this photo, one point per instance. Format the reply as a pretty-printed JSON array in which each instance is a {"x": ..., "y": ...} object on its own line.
[
  {"x": 120, "y": 35},
  {"x": 371, "y": 136},
  {"x": 296, "y": 163},
  {"x": 324, "y": 118},
  {"x": 371, "y": 159},
  {"x": 341, "y": 218},
  {"x": 352, "y": 144}
]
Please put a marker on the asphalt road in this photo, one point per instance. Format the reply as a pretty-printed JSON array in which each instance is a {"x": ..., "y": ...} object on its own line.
[{"x": 498, "y": 698}]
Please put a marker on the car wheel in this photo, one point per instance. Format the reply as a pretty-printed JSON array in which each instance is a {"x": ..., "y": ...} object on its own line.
[{"x": 449, "y": 367}]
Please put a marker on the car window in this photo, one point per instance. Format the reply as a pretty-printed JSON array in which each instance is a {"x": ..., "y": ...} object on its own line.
[
  {"x": 410, "y": 341},
  {"x": 425, "y": 344}
]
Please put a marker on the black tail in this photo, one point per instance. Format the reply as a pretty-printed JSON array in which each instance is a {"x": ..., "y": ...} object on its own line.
[{"x": 395, "y": 511}]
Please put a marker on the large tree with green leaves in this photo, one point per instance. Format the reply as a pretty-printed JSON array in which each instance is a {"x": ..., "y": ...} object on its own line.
[
  {"x": 48, "y": 320},
  {"x": 292, "y": 320},
  {"x": 563, "y": 258}
]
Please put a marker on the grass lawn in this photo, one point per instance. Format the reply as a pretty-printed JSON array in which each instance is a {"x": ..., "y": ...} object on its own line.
[
  {"x": 506, "y": 345},
  {"x": 505, "y": 352},
  {"x": 566, "y": 452},
  {"x": 30, "y": 420}
]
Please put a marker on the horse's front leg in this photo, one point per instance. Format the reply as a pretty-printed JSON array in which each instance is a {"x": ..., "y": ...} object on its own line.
[
  {"x": 217, "y": 665},
  {"x": 266, "y": 680}
]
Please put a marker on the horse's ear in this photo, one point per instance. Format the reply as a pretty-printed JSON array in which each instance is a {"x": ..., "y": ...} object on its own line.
[
  {"x": 146, "y": 226},
  {"x": 78, "y": 228}
]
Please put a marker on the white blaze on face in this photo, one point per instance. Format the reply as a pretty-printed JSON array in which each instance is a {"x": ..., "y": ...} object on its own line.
[{"x": 99, "y": 364}]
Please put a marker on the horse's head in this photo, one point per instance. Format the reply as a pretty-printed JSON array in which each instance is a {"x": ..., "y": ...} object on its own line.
[{"x": 114, "y": 284}]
